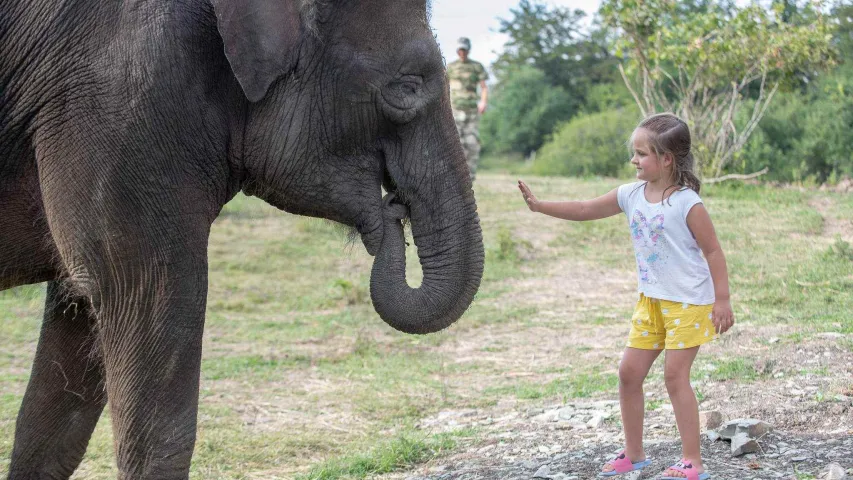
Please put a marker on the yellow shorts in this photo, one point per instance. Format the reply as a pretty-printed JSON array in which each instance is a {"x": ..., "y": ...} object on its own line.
[{"x": 658, "y": 324}]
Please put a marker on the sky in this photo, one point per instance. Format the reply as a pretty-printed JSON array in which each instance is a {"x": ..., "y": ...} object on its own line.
[{"x": 479, "y": 21}]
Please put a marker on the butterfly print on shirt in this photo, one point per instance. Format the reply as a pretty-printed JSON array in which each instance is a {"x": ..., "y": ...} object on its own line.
[{"x": 647, "y": 235}]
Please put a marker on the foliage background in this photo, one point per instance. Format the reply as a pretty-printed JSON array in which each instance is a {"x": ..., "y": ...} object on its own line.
[{"x": 559, "y": 96}]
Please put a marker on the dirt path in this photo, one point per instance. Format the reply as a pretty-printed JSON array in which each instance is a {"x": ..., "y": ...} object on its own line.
[{"x": 833, "y": 227}]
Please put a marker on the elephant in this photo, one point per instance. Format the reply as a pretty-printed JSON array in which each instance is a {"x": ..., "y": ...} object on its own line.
[{"x": 126, "y": 126}]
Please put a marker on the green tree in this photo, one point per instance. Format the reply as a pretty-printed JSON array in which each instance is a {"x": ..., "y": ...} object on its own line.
[
  {"x": 842, "y": 14},
  {"x": 701, "y": 63},
  {"x": 524, "y": 110},
  {"x": 552, "y": 41}
]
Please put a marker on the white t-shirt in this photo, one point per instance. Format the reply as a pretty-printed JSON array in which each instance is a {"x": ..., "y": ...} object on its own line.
[{"x": 670, "y": 265}]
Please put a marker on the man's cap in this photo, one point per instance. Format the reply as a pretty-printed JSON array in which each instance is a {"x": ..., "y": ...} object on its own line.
[{"x": 463, "y": 44}]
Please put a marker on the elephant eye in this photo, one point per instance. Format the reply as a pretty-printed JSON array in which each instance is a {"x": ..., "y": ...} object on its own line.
[
  {"x": 406, "y": 85},
  {"x": 403, "y": 97}
]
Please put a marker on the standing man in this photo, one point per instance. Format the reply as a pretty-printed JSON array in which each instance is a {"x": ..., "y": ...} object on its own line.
[{"x": 464, "y": 75}]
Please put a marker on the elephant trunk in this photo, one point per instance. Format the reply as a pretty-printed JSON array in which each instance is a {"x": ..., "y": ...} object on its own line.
[{"x": 447, "y": 233}]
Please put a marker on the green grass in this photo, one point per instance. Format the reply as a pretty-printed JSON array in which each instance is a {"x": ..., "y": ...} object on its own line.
[
  {"x": 740, "y": 369},
  {"x": 405, "y": 450},
  {"x": 571, "y": 387},
  {"x": 300, "y": 376},
  {"x": 776, "y": 267}
]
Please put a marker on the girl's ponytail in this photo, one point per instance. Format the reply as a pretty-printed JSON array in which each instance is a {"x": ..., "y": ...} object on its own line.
[{"x": 685, "y": 177}]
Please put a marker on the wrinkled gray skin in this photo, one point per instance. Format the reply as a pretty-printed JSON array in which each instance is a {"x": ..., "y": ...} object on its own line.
[{"x": 124, "y": 129}]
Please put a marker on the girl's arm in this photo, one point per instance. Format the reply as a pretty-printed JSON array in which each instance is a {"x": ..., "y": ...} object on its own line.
[
  {"x": 700, "y": 225},
  {"x": 601, "y": 207}
]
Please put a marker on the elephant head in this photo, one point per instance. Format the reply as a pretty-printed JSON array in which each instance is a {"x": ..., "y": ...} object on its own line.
[{"x": 345, "y": 97}]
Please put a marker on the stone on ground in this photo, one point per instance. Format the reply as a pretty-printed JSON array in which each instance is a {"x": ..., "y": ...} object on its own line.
[
  {"x": 752, "y": 427},
  {"x": 743, "y": 443},
  {"x": 711, "y": 419},
  {"x": 833, "y": 471}
]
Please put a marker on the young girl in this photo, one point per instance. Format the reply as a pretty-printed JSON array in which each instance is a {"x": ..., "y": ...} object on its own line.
[{"x": 683, "y": 297}]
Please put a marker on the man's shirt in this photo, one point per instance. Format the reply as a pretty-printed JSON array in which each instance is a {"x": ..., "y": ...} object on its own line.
[{"x": 464, "y": 78}]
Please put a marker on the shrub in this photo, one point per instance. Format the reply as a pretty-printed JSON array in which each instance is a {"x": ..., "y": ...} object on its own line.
[
  {"x": 607, "y": 96},
  {"x": 588, "y": 145}
]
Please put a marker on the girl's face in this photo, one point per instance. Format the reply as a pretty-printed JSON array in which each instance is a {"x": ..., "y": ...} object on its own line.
[{"x": 650, "y": 167}]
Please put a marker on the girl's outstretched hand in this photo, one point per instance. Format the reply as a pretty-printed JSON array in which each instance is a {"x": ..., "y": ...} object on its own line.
[
  {"x": 529, "y": 198},
  {"x": 723, "y": 316}
]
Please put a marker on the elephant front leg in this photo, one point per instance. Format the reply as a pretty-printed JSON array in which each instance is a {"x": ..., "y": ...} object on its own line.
[
  {"x": 150, "y": 326},
  {"x": 65, "y": 395}
]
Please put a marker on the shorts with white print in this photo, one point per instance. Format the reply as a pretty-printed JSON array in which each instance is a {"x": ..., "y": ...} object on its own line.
[{"x": 658, "y": 324}]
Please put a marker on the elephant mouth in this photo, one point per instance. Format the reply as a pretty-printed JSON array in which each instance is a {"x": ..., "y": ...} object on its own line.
[{"x": 372, "y": 229}]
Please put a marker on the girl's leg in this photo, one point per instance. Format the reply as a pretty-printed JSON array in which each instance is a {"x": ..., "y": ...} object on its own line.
[
  {"x": 633, "y": 369},
  {"x": 677, "y": 376}
]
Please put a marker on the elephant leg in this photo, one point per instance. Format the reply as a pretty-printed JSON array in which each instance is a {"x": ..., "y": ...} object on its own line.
[
  {"x": 150, "y": 325},
  {"x": 132, "y": 233},
  {"x": 65, "y": 394}
]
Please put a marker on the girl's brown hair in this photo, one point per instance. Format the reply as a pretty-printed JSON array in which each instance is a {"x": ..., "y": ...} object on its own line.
[{"x": 670, "y": 134}]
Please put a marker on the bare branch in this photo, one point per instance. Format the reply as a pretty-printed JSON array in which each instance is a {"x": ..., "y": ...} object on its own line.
[
  {"x": 736, "y": 176},
  {"x": 631, "y": 89}
]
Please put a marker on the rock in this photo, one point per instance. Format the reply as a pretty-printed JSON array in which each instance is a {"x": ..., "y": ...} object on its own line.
[
  {"x": 596, "y": 420},
  {"x": 743, "y": 443},
  {"x": 750, "y": 426},
  {"x": 565, "y": 413},
  {"x": 833, "y": 471},
  {"x": 712, "y": 435},
  {"x": 532, "y": 412},
  {"x": 710, "y": 419},
  {"x": 530, "y": 464},
  {"x": 543, "y": 472},
  {"x": 547, "y": 417}
]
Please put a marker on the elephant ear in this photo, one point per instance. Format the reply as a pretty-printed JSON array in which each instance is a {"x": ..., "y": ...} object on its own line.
[{"x": 260, "y": 38}]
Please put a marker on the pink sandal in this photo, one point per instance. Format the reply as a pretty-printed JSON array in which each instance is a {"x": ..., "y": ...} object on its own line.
[
  {"x": 622, "y": 464},
  {"x": 685, "y": 466}
]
